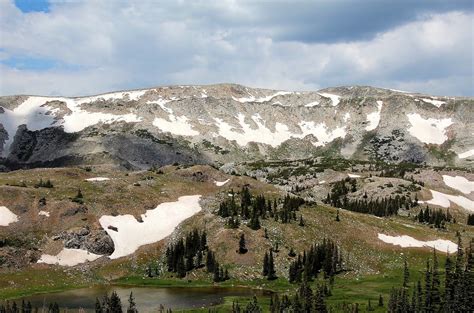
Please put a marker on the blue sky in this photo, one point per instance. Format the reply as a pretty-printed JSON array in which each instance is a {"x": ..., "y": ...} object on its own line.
[
  {"x": 32, "y": 5},
  {"x": 85, "y": 47}
]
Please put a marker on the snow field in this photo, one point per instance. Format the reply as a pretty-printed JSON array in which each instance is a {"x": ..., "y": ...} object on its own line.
[
  {"x": 69, "y": 257},
  {"x": 460, "y": 183},
  {"x": 128, "y": 234},
  {"x": 405, "y": 241},
  {"x": 7, "y": 217},
  {"x": 428, "y": 130}
]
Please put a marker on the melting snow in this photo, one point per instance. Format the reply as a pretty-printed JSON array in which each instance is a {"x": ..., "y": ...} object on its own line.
[
  {"x": 69, "y": 257},
  {"x": 466, "y": 154},
  {"x": 97, "y": 179},
  {"x": 177, "y": 125},
  {"x": 410, "y": 242},
  {"x": 312, "y": 104},
  {"x": 161, "y": 103},
  {"x": 374, "y": 117},
  {"x": 264, "y": 135},
  {"x": 428, "y": 130},
  {"x": 460, "y": 183},
  {"x": 334, "y": 98},
  {"x": 36, "y": 115},
  {"x": 263, "y": 99},
  {"x": 43, "y": 213},
  {"x": 436, "y": 103},
  {"x": 346, "y": 117},
  {"x": 353, "y": 175},
  {"x": 7, "y": 217},
  {"x": 444, "y": 200},
  {"x": 221, "y": 183},
  {"x": 157, "y": 224}
]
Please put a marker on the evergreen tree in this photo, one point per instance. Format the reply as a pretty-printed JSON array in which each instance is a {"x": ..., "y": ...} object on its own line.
[
  {"x": 115, "y": 303},
  {"x": 265, "y": 265},
  {"x": 271, "y": 267},
  {"x": 406, "y": 273},
  {"x": 132, "y": 307},
  {"x": 242, "y": 248},
  {"x": 380, "y": 301},
  {"x": 98, "y": 306}
]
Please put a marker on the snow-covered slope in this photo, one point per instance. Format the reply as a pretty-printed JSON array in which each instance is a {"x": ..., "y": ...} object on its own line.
[{"x": 227, "y": 122}]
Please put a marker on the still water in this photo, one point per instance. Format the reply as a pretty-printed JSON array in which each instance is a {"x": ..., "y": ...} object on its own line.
[{"x": 148, "y": 299}]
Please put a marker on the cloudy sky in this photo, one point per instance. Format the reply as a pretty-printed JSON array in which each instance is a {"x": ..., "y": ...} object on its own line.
[{"x": 87, "y": 47}]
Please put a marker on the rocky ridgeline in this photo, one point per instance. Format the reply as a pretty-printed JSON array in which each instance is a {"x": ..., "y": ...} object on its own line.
[{"x": 218, "y": 124}]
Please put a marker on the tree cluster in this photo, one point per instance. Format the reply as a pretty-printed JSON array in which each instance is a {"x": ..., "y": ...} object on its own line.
[
  {"x": 323, "y": 257},
  {"x": 44, "y": 184},
  {"x": 109, "y": 304},
  {"x": 304, "y": 300},
  {"x": 451, "y": 291},
  {"x": 378, "y": 207},
  {"x": 269, "y": 266},
  {"x": 212, "y": 266},
  {"x": 186, "y": 254},
  {"x": 255, "y": 208},
  {"x": 470, "y": 219},
  {"x": 437, "y": 218}
]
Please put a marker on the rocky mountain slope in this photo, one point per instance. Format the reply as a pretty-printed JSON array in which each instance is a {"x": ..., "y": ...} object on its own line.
[{"x": 225, "y": 123}]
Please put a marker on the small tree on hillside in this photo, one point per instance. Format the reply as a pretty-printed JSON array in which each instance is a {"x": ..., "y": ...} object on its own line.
[{"x": 242, "y": 248}]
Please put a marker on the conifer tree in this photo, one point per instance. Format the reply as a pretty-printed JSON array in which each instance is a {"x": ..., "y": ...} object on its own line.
[
  {"x": 242, "y": 248},
  {"x": 271, "y": 267},
  {"x": 265, "y": 264},
  {"x": 132, "y": 307}
]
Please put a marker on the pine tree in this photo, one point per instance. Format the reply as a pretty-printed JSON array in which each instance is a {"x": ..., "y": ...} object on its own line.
[
  {"x": 406, "y": 273},
  {"x": 337, "y": 216},
  {"x": 380, "y": 301},
  {"x": 242, "y": 247},
  {"x": 435, "y": 284},
  {"x": 271, "y": 268},
  {"x": 115, "y": 303},
  {"x": 132, "y": 307},
  {"x": 98, "y": 306},
  {"x": 265, "y": 265}
]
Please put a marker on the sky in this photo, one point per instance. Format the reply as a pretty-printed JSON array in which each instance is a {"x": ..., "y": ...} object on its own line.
[{"x": 72, "y": 47}]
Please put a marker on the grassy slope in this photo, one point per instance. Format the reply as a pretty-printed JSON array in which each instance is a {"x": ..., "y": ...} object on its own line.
[{"x": 373, "y": 267}]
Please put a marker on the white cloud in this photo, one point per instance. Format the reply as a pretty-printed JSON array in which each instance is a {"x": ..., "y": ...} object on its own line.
[{"x": 115, "y": 45}]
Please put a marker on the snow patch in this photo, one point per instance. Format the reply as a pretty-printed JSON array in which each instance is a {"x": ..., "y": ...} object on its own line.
[
  {"x": 444, "y": 200},
  {"x": 36, "y": 115},
  {"x": 460, "y": 183},
  {"x": 221, "y": 183},
  {"x": 43, "y": 213},
  {"x": 157, "y": 224},
  {"x": 312, "y": 104},
  {"x": 262, "y": 134},
  {"x": 97, "y": 179},
  {"x": 429, "y": 130},
  {"x": 177, "y": 125},
  {"x": 69, "y": 257},
  {"x": 466, "y": 154},
  {"x": 261, "y": 100},
  {"x": 374, "y": 117},
  {"x": 7, "y": 217},
  {"x": 353, "y": 175},
  {"x": 436, "y": 103},
  {"x": 161, "y": 103},
  {"x": 405, "y": 241},
  {"x": 334, "y": 98},
  {"x": 346, "y": 117}
]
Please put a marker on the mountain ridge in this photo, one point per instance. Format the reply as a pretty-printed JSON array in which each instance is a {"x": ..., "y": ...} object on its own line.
[{"x": 224, "y": 123}]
